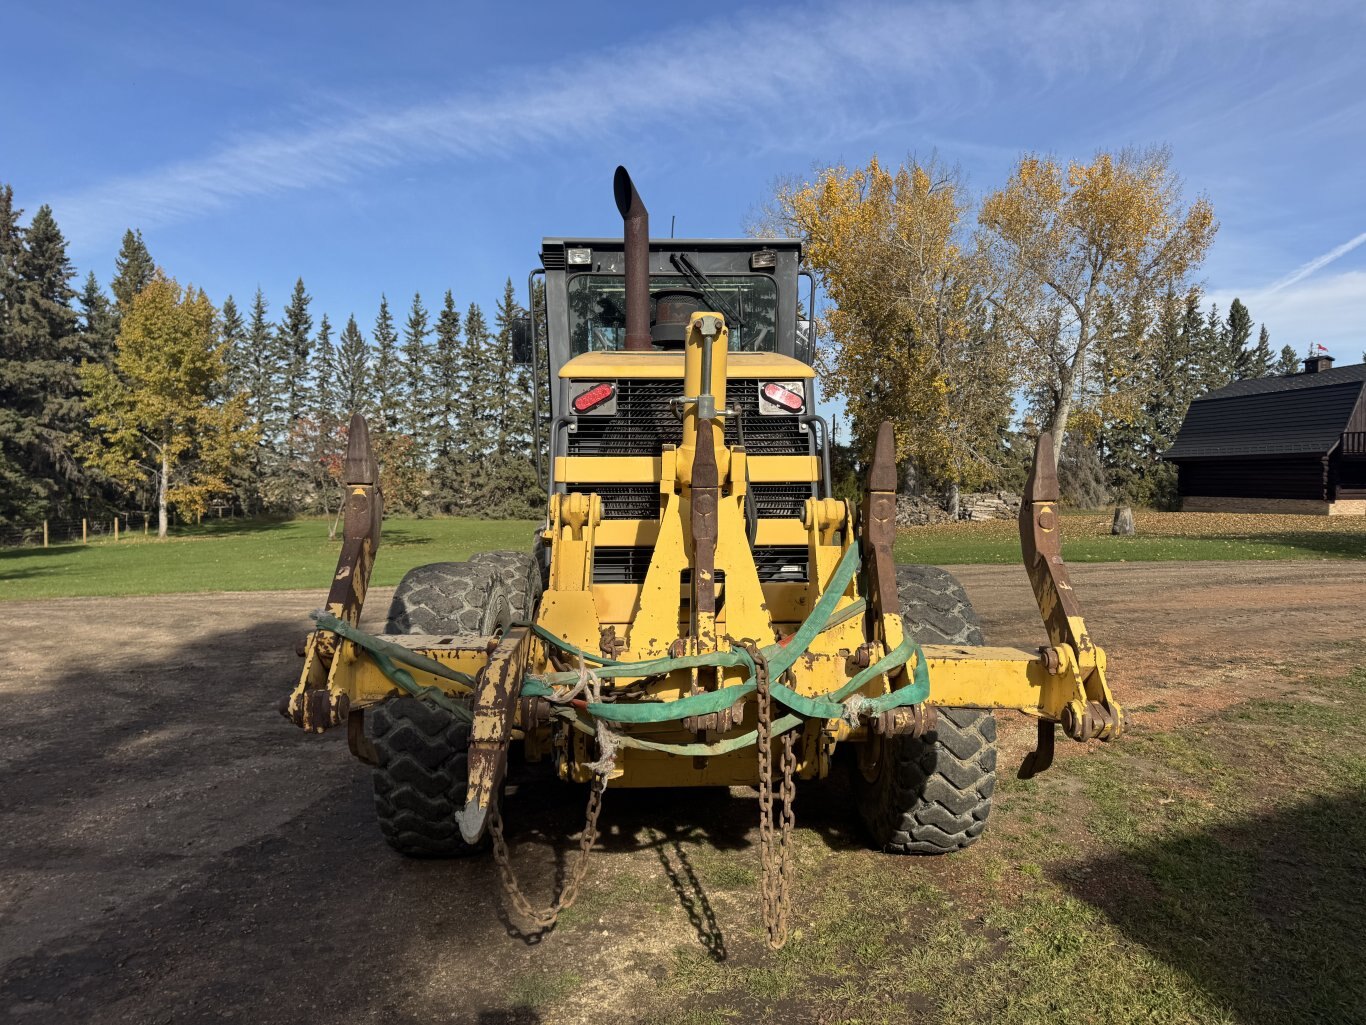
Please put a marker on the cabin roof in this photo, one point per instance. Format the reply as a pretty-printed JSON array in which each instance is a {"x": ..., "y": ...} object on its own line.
[{"x": 1300, "y": 414}]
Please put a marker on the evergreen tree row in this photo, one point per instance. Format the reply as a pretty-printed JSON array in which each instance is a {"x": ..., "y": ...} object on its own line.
[{"x": 449, "y": 411}]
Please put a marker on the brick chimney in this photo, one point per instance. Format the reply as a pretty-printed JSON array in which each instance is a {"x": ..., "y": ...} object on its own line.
[{"x": 1314, "y": 364}]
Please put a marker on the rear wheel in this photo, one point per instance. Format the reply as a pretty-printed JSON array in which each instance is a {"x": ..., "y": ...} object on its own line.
[
  {"x": 450, "y": 598},
  {"x": 423, "y": 750},
  {"x": 521, "y": 576},
  {"x": 420, "y": 780},
  {"x": 932, "y": 794}
]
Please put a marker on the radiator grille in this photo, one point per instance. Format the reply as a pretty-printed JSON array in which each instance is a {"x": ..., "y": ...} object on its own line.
[
  {"x": 780, "y": 501},
  {"x": 614, "y": 564},
  {"x": 623, "y": 501},
  {"x": 620, "y": 565},
  {"x": 781, "y": 563},
  {"x": 644, "y": 423}
]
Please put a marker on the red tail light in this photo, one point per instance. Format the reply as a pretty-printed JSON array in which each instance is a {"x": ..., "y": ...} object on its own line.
[
  {"x": 594, "y": 397},
  {"x": 785, "y": 397}
]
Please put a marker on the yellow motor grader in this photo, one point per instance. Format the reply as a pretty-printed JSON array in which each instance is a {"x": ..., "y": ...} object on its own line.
[{"x": 699, "y": 609}]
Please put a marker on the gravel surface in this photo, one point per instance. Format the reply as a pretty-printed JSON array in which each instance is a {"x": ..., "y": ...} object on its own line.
[{"x": 175, "y": 851}]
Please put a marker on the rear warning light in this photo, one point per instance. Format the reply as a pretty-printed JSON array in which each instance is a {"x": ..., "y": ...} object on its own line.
[
  {"x": 785, "y": 397},
  {"x": 594, "y": 397}
]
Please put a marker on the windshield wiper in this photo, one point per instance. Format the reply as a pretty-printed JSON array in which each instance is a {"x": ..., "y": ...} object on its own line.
[{"x": 703, "y": 284}]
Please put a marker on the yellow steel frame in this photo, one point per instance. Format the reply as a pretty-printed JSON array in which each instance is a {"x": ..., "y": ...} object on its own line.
[{"x": 659, "y": 618}]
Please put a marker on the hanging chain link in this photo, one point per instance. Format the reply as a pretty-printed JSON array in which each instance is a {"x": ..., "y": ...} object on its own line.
[
  {"x": 545, "y": 918},
  {"x": 774, "y": 845}
]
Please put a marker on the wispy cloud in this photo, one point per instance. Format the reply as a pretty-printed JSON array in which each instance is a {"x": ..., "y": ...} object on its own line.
[
  {"x": 754, "y": 75},
  {"x": 1317, "y": 263}
]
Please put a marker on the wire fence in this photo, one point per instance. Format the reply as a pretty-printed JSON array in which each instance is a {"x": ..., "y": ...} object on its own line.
[{"x": 50, "y": 533}]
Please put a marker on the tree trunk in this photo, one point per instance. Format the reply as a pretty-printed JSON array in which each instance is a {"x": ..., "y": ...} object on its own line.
[
  {"x": 1123, "y": 524},
  {"x": 1057, "y": 423},
  {"x": 162, "y": 526}
]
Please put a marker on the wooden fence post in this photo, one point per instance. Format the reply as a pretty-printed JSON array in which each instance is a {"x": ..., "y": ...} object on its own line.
[
  {"x": 85, "y": 535},
  {"x": 116, "y": 529},
  {"x": 146, "y": 518},
  {"x": 44, "y": 533}
]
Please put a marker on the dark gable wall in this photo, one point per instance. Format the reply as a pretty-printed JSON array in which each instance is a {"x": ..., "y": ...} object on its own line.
[{"x": 1304, "y": 477}]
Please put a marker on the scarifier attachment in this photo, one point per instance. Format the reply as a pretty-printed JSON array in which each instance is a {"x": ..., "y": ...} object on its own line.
[
  {"x": 314, "y": 705},
  {"x": 1092, "y": 714}
]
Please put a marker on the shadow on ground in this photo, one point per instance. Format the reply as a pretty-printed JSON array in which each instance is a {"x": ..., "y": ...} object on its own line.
[
  {"x": 177, "y": 851},
  {"x": 1267, "y": 914}
]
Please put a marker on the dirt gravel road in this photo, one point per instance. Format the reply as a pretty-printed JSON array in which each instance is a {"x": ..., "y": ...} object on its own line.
[{"x": 174, "y": 851}]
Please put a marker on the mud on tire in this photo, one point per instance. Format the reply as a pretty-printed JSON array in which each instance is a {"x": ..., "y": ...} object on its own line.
[
  {"x": 420, "y": 780},
  {"x": 932, "y": 794}
]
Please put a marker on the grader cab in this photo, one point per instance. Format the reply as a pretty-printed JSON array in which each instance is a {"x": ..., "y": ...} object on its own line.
[{"x": 699, "y": 609}]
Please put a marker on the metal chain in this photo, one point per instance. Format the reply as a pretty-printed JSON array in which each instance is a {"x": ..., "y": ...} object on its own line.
[
  {"x": 545, "y": 918},
  {"x": 774, "y": 851}
]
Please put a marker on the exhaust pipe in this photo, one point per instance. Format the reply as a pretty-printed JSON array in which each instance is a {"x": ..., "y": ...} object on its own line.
[{"x": 636, "y": 223}]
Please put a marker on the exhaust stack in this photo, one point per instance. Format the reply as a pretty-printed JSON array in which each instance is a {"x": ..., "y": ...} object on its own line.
[{"x": 636, "y": 224}]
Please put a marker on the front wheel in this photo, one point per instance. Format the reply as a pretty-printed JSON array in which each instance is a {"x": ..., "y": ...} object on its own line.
[{"x": 931, "y": 794}]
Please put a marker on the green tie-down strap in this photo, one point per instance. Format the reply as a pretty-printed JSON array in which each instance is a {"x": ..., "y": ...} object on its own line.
[
  {"x": 780, "y": 658},
  {"x": 387, "y": 654}
]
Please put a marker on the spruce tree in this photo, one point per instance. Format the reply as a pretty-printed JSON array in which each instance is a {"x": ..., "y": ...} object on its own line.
[
  {"x": 264, "y": 406},
  {"x": 517, "y": 492},
  {"x": 474, "y": 397},
  {"x": 447, "y": 418},
  {"x": 353, "y": 372},
  {"x": 97, "y": 322},
  {"x": 233, "y": 331},
  {"x": 133, "y": 270},
  {"x": 15, "y": 497},
  {"x": 415, "y": 413},
  {"x": 1260, "y": 362},
  {"x": 296, "y": 341},
  {"x": 1237, "y": 329},
  {"x": 40, "y": 391},
  {"x": 388, "y": 385},
  {"x": 1289, "y": 362},
  {"x": 325, "y": 461}
]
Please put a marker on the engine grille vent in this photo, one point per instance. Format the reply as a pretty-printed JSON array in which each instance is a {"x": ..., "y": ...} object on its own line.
[
  {"x": 780, "y": 501},
  {"x": 644, "y": 423},
  {"x": 552, "y": 257},
  {"x": 623, "y": 501},
  {"x": 781, "y": 563},
  {"x": 620, "y": 565},
  {"x": 614, "y": 564}
]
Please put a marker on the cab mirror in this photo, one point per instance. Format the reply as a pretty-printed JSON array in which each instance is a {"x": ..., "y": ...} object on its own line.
[
  {"x": 521, "y": 340},
  {"x": 805, "y": 347}
]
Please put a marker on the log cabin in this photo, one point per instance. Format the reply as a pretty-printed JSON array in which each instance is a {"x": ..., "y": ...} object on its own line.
[{"x": 1293, "y": 444}]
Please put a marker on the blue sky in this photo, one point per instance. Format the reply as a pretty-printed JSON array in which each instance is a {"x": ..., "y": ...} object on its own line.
[{"x": 400, "y": 147}]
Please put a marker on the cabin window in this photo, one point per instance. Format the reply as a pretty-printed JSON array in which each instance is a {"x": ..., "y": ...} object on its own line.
[{"x": 597, "y": 310}]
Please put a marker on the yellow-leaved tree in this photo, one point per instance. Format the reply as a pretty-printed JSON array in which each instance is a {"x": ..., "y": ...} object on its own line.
[
  {"x": 1076, "y": 252},
  {"x": 160, "y": 414},
  {"x": 909, "y": 336}
]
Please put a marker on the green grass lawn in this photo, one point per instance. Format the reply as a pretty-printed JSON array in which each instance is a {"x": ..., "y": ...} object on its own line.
[
  {"x": 237, "y": 556},
  {"x": 1206, "y": 873},
  {"x": 1159, "y": 537},
  {"x": 277, "y": 555}
]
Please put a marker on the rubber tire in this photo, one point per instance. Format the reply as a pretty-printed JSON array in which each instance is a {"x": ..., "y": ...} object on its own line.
[
  {"x": 450, "y": 598},
  {"x": 423, "y": 750},
  {"x": 521, "y": 576},
  {"x": 932, "y": 794},
  {"x": 420, "y": 780}
]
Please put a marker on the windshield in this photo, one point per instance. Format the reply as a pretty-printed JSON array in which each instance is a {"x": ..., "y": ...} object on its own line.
[{"x": 597, "y": 310}]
